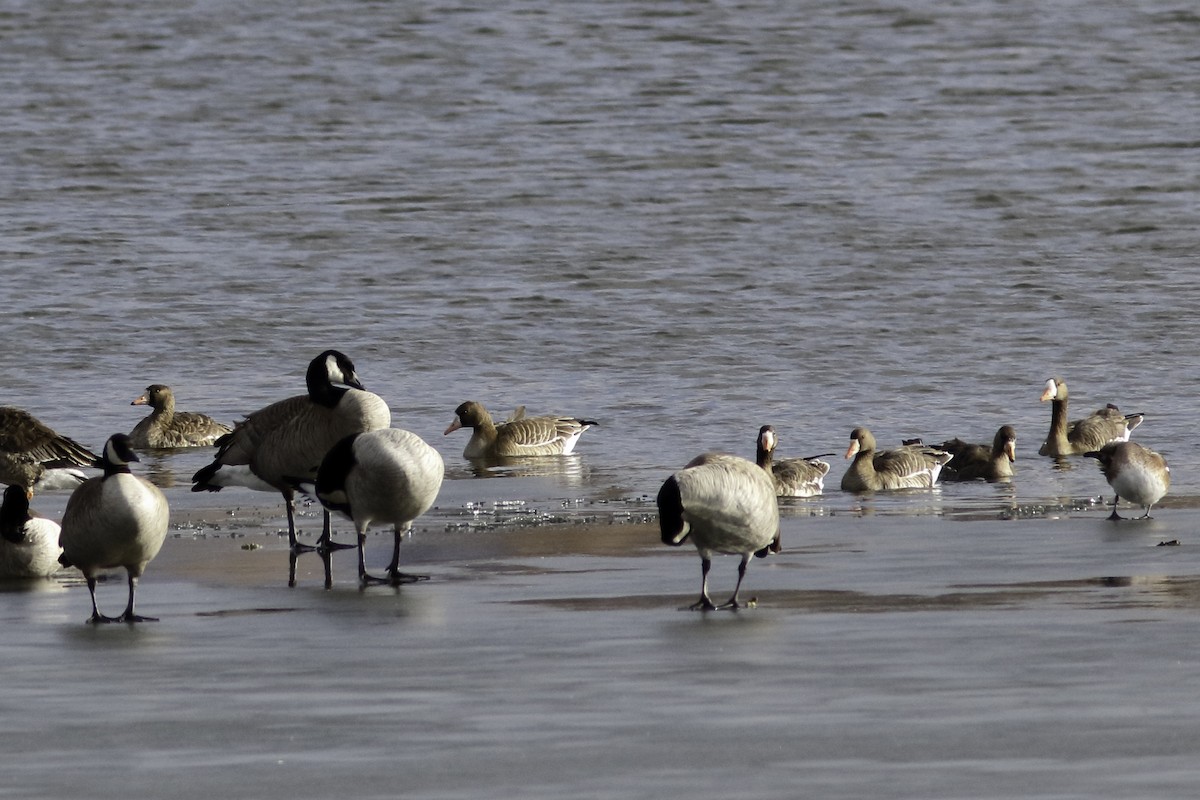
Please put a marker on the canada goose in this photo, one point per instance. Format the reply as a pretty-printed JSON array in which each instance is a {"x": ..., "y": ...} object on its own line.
[
  {"x": 117, "y": 519},
  {"x": 28, "y": 448},
  {"x": 168, "y": 428},
  {"x": 974, "y": 461},
  {"x": 286, "y": 440},
  {"x": 1134, "y": 472},
  {"x": 794, "y": 477},
  {"x": 726, "y": 504},
  {"x": 387, "y": 475},
  {"x": 911, "y": 466},
  {"x": 1082, "y": 436},
  {"x": 28, "y": 542},
  {"x": 519, "y": 435}
]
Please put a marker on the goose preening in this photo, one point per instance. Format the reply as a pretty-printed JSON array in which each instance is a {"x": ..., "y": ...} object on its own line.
[
  {"x": 914, "y": 466},
  {"x": 1134, "y": 472},
  {"x": 29, "y": 448},
  {"x": 1085, "y": 435},
  {"x": 167, "y": 428},
  {"x": 794, "y": 477},
  {"x": 28, "y": 542},
  {"x": 389, "y": 476},
  {"x": 980, "y": 461},
  {"x": 519, "y": 435},
  {"x": 117, "y": 519},
  {"x": 724, "y": 504},
  {"x": 285, "y": 441}
]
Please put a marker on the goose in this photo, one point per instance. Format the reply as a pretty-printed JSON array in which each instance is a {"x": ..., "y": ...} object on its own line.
[
  {"x": 29, "y": 448},
  {"x": 168, "y": 428},
  {"x": 285, "y": 441},
  {"x": 1134, "y": 472},
  {"x": 725, "y": 504},
  {"x": 794, "y": 477},
  {"x": 117, "y": 519},
  {"x": 518, "y": 436},
  {"x": 974, "y": 461},
  {"x": 911, "y": 466},
  {"x": 387, "y": 475},
  {"x": 28, "y": 542},
  {"x": 1085, "y": 435}
]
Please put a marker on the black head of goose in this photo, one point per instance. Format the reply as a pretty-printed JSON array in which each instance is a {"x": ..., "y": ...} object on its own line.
[
  {"x": 519, "y": 436},
  {"x": 29, "y": 447},
  {"x": 166, "y": 428},
  {"x": 391, "y": 476},
  {"x": 1134, "y": 472},
  {"x": 28, "y": 542},
  {"x": 724, "y": 504},
  {"x": 1085, "y": 435},
  {"x": 915, "y": 466},
  {"x": 117, "y": 519},
  {"x": 793, "y": 477},
  {"x": 979, "y": 461},
  {"x": 286, "y": 441}
]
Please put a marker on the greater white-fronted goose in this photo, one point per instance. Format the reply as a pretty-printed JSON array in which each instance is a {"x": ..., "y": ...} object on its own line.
[
  {"x": 1082, "y": 436},
  {"x": 725, "y": 504},
  {"x": 979, "y": 461},
  {"x": 391, "y": 476},
  {"x": 518, "y": 437},
  {"x": 117, "y": 519},
  {"x": 1134, "y": 472},
  {"x": 28, "y": 542},
  {"x": 28, "y": 448},
  {"x": 915, "y": 466},
  {"x": 286, "y": 441},
  {"x": 167, "y": 428},
  {"x": 794, "y": 477}
]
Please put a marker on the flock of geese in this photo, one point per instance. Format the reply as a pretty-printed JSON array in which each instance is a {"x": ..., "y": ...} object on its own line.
[{"x": 335, "y": 443}]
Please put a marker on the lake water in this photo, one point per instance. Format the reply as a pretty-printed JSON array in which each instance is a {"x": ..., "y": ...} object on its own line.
[{"x": 684, "y": 220}]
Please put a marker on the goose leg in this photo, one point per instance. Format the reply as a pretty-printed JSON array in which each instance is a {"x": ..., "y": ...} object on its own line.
[
  {"x": 704, "y": 603},
  {"x": 1115, "y": 515},
  {"x": 325, "y": 543},
  {"x": 732, "y": 602},
  {"x": 290, "y": 502},
  {"x": 393, "y": 569},
  {"x": 97, "y": 617},
  {"x": 129, "y": 616},
  {"x": 365, "y": 579}
]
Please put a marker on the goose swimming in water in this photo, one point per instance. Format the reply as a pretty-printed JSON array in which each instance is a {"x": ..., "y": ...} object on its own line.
[
  {"x": 117, "y": 519},
  {"x": 1085, "y": 435},
  {"x": 724, "y": 504},
  {"x": 284, "y": 442},
  {"x": 518, "y": 436},
  {"x": 980, "y": 461},
  {"x": 28, "y": 542},
  {"x": 167, "y": 428},
  {"x": 914, "y": 466},
  {"x": 794, "y": 477}
]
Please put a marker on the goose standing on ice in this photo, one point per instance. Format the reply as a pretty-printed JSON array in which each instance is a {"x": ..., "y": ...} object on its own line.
[
  {"x": 28, "y": 542},
  {"x": 794, "y": 477},
  {"x": 117, "y": 519},
  {"x": 725, "y": 504},
  {"x": 391, "y": 476},
  {"x": 913, "y": 466},
  {"x": 974, "y": 461},
  {"x": 286, "y": 441},
  {"x": 1085, "y": 435},
  {"x": 518, "y": 436},
  {"x": 29, "y": 449},
  {"x": 1134, "y": 472},
  {"x": 167, "y": 428}
]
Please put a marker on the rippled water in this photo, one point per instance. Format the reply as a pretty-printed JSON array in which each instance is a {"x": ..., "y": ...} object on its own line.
[{"x": 683, "y": 220}]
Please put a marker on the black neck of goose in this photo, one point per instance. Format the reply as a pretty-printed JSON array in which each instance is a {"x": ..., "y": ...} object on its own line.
[
  {"x": 321, "y": 389},
  {"x": 113, "y": 469},
  {"x": 12, "y": 520}
]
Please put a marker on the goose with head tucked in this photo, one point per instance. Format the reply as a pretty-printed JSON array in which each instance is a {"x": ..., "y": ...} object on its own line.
[
  {"x": 991, "y": 463},
  {"x": 28, "y": 541},
  {"x": 117, "y": 519},
  {"x": 1085, "y": 435},
  {"x": 519, "y": 436},
  {"x": 1134, "y": 472},
  {"x": 166, "y": 428},
  {"x": 724, "y": 504},
  {"x": 793, "y": 477},
  {"x": 390, "y": 476},
  {"x": 29, "y": 449},
  {"x": 286, "y": 440},
  {"x": 914, "y": 466}
]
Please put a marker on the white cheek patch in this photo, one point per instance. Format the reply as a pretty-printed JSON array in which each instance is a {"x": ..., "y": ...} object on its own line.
[
  {"x": 683, "y": 534},
  {"x": 333, "y": 370}
]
